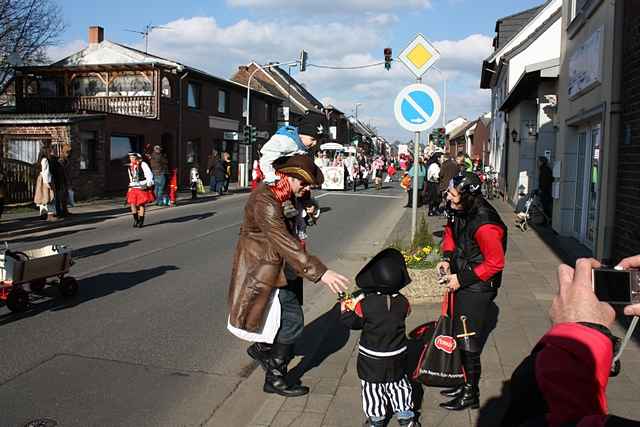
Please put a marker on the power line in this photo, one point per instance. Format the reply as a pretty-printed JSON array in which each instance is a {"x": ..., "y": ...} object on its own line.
[{"x": 355, "y": 67}]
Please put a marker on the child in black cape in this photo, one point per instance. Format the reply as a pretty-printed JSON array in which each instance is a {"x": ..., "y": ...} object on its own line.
[{"x": 380, "y": 312}]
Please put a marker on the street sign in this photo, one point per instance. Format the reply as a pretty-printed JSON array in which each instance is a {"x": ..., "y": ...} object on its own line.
[
  {"x": 419, "y": 56},
  {"x": 417, "y": 107}
]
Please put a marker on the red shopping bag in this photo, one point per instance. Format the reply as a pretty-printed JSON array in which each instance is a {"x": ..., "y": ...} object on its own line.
[{"x": 440, "y": 364}]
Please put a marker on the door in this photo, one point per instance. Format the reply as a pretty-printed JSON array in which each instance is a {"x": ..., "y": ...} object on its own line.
[
  {"x": 585, "y": 225},
  {"x": 593, "y": 193}
]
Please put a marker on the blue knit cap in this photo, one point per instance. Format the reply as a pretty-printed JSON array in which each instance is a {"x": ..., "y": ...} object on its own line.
[{"x": 292, "y": 132}]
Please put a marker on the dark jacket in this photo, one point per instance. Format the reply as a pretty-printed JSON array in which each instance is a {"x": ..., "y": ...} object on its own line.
[
  {"x": 159, "y": 164},
  {"x": 383, "y": 342},
  {"x": 546, "y": 180},
  {"x": 265, "y": 244},
  {"x": 466, "y": 254},
  {"x": 219, "y": 170}
]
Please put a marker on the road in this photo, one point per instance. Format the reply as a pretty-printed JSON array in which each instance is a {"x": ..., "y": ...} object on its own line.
[{"x": 145, "y": 342}]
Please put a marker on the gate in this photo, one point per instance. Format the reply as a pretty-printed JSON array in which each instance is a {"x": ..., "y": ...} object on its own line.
[{"x": 20, "y": 178}]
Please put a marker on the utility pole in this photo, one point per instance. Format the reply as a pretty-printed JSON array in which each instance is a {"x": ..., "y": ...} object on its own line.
[{"x": 416, "y": 179}]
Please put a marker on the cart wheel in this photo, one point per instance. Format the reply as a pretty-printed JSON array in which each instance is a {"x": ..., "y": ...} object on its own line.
[
  {"x": 68, "y": 286},
  {"x": 18, "y": 300},
  {"x": 37, "y": 285}
]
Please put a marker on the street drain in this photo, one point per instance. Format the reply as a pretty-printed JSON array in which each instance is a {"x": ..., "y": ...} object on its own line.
[{"x": 41, "y": 422}]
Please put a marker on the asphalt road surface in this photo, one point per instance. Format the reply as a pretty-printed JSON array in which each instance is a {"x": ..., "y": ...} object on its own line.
[{"x": 144, "y": 342}]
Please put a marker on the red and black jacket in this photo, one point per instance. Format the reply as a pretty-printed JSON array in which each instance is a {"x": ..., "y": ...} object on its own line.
[
  {"x": 475, "y": 244},
  {"x": 563, "y": 382}
]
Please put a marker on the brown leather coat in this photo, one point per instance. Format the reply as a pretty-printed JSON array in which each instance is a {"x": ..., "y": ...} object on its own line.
[{"x": 264, "y": 246}]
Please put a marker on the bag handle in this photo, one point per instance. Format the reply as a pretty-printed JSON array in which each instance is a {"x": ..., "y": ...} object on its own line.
[{"x": 447, "y": 303}]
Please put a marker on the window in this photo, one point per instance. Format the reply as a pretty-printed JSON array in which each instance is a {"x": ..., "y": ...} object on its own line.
[
  {"x": 244, "y": 106},
  {"x": 120, "y": 147},
  {"x": 166, "y": 88},
  {"x": 223, "y": 101},
  {"x": 88, "y": 142},
  {"x": 193, "y": 95},
  {"x": 267, "y": 112},
  {"x": 24, "y": 150},
  {"x": 576, "y": 7},
  {"x": 89, "y": 86},
  {"x": 131, "y": 84},
  {"x": 42, "y": 86},
  {"x": 192, "y": 151}
]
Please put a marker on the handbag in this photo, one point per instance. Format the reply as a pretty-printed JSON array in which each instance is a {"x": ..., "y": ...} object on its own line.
[
  {"x": 200, "y": 187},
  {"x": 440, "y": 364}
]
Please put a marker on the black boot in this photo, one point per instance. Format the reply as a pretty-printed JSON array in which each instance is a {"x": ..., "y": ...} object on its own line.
[
  {"x": 453, "y": 391},
  {"x": 261, "y": 353},
  {"x": 276, "y": 377},
  {"x": 140, "y": 221},
  {"x": 470, "y": 397},
  {"x": 135, "y": 220}
]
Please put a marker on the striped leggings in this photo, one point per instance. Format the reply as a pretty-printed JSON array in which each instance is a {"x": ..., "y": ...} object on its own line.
[{"x": 377, "y": 397}]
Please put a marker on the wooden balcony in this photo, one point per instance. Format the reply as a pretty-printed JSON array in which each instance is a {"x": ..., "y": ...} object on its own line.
[{"x": 137, "y": 106}]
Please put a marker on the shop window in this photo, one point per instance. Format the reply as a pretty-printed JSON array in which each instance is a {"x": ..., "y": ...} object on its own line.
[
  {"x": 267, "y": 112},
  {"x": 131, "y": 84},
  {"x": 89, "y": 86},
  {"x": 24, "y": 150},
  {"x": 193, "y": 95},
  {"x": 88, "y": 143},
  {"x": 166, "y": 88},
  {"x": 223, "y": 101}
]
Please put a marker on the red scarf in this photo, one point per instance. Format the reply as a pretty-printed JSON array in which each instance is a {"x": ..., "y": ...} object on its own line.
[{"x": 282, "y": 189}]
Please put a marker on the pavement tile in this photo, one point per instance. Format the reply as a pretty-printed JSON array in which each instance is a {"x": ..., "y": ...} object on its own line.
[
  {"x": 268, "y": 411},
  {"x": 286, "y": 419},
  {"x": 310, "y": 419},
  {"x": 294, "y": 404},
  {"x": 318, "y": 403},
  {"x": 325, "y": 386}
]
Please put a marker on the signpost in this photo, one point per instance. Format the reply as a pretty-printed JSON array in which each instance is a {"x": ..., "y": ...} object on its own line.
[{"x": 417, "y": 107}]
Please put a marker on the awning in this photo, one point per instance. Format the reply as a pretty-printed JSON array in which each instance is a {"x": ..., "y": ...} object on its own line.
[{"x": 529, "y": 81}]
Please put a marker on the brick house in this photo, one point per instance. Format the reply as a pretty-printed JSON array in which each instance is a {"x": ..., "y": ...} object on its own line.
[
  {"x": 627, "y": 227},
  {"x": 109, "y": 99}
]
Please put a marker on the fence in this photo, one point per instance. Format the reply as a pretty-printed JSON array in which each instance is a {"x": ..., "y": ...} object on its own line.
[
  {"x": 138, "y": 106},
  {"x": 20, "y": 178}
]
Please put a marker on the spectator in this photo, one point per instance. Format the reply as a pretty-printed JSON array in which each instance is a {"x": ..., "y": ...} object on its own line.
[
  {"x": 226, "y": 157},
  {"x": 464, "y": 162},
  {"x": 422, "y": 173},
  {"x": 545, "y": 185},
  {"x": 45, "y": 189},
  {"x": 194, "y": 177},
  {"x": 211, "y": 162},
  {"x": 160, "y": 168}
]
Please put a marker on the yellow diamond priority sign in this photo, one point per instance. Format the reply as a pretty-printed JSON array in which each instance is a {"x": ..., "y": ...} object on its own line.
[{"x": 419, "y": 56}]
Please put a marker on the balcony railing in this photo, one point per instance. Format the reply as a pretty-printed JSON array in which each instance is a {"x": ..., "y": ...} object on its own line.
[{"x": 138, "y": 106}]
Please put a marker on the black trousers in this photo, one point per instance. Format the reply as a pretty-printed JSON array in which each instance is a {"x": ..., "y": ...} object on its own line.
[{"x": 477, "y": 307}]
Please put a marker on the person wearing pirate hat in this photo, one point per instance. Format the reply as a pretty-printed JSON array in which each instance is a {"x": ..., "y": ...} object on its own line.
[
  {"x": 267, "y": 244},
  {"x": 380, "y": 311},
  {"x": 473, "y": 247}
]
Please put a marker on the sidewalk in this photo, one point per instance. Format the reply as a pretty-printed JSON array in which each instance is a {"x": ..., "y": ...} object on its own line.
[
  {"x": 329, "y": 362},
  {"x": 26, "y": 219}
]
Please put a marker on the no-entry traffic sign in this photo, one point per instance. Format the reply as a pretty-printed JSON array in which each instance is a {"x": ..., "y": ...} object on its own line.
[{"x": 417, "y": 107}]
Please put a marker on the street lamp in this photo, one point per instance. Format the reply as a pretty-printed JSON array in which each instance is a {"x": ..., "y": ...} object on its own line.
[
  {"x": 358, "y": 104},
  {"x": 444, "y": 103}
]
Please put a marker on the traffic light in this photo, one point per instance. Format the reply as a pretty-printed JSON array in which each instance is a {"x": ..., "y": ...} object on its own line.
[
  {"x": 442, "y": 133},
  {"x": 253, "y": 134},
  {"x": 246, "y": 135},
  {"x": 387, "y": 58},
  {"x": 304, "y": 56}
]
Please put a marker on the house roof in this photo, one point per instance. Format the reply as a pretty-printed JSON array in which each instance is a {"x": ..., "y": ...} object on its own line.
[
  {"x": 276, "y": 81},
  {"x": 508, "y": 26},
  {"x": 519, "y": 41},
  {"x": 110, "y": 55},
  {"x": 460, "y": 130},
  {"x": 47, "y": 118}
]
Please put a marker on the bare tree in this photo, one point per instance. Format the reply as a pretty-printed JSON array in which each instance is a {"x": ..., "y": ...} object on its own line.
[{"x": 27, "y": 29}]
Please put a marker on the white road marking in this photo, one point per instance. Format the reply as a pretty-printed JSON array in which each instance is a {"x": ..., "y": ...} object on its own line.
[{"x": 360, "y": 195}]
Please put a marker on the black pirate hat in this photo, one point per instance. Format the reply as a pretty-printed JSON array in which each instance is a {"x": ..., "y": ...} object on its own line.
[{"x": 386, "y": 272}]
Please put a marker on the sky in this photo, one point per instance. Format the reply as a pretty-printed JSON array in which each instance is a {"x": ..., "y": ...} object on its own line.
[{"x": 218, "y": 36}]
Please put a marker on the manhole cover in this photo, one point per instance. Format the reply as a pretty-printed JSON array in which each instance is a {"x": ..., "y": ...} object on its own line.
[{"x": 41, "y": 422}]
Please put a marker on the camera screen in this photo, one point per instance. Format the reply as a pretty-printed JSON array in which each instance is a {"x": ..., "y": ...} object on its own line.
[{"x": 612, "y": 286}]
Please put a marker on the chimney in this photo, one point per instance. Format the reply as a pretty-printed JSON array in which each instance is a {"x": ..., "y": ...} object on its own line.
[{"x": 96, "y": 35}]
